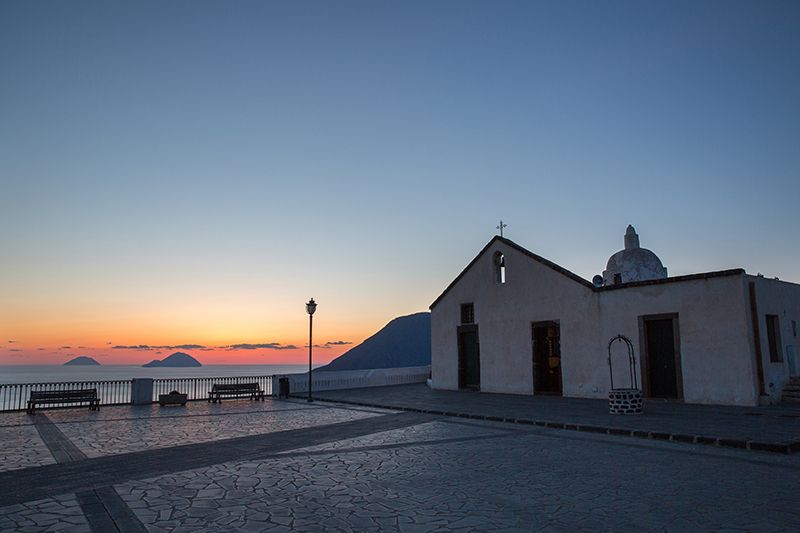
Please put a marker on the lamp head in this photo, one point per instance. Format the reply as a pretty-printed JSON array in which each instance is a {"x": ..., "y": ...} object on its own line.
[{"x": 311, "y": 306}]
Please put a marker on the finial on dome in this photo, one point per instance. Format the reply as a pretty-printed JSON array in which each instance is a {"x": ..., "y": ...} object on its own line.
[{"x": 631, "y": 238}]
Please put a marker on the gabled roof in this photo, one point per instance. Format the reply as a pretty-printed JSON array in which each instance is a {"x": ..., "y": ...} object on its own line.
[
  {"x": 563, "y": 271},
  {"x": 517, "y": 247}
]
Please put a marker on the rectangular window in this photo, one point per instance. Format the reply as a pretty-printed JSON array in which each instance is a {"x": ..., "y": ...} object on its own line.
[
  {"x": 467, "y": 314},
  {"x": 774, "y": 339},
  {"x": 794, "y": 328}
]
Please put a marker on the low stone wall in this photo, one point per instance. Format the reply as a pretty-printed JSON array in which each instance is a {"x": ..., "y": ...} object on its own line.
[{"x": 355, "y": 379}]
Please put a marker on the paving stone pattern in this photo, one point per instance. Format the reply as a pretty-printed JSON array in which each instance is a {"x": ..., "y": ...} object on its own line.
[
  {"x": 36, "y": 483},
  {"x": 14, "y": 418},
  {"x": 520, "y": 480},
  {"x": 345, "y": 468},
  {"x": 772, "y": 424},
  {"x": 105, "y": 511},
  {"x": 22, "y": 448},
  {"x": 61, "y": 448},
  {"x": 193, "y": 408},
  {"x": 101, "y": 508},
  {"x": 118, "y": 436},
  {"x": 431, "y": 432},
  {"x": 59, "y": 513}
]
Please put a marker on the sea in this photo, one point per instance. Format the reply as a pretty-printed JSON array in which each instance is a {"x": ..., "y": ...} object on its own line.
[
  {"x": 54, "y": 373},
  {"x": 113, "y": 381}
]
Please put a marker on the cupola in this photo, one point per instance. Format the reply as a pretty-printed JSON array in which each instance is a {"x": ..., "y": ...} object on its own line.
[{"x": 633, "y": 263}]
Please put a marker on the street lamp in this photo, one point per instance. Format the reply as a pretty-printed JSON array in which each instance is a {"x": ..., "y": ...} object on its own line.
[{"x": 311, "y": 306}]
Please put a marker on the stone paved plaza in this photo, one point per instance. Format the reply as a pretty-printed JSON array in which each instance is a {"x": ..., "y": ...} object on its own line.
[
  {"x": 286, "y": 465},
  {"x": 777, "y": 425}
]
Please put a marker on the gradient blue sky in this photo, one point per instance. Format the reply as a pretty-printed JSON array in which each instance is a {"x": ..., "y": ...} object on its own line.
[{"x": 170, "y": 170}]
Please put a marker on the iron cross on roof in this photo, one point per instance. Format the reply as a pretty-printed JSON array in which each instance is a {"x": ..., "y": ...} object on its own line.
[{"x": 501, "y": 226}]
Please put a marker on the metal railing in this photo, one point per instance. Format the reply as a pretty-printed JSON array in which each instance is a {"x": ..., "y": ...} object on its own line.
[
  {"x": 198, "y": 388},
  {"x": 356, "y": 379},
  {"x": 14, "y": 396}
]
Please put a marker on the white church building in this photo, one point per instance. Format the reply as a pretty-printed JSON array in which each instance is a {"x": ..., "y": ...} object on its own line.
[{"x": 514, "y": 322}]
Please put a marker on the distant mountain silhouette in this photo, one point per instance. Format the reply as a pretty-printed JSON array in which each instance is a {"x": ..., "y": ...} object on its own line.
[
  {"x": 405, "y": 341},
  {"x": 178, "y": 359},
  {"x": 82, "y": 360}
]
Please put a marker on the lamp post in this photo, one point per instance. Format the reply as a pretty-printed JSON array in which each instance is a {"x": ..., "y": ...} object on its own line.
[{"x": 311, "y": 306}]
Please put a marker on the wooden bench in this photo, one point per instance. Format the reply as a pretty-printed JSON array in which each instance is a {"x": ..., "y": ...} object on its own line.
[
  {"x": 45, "y": 397},
  {"x": 235, "y": 390}
]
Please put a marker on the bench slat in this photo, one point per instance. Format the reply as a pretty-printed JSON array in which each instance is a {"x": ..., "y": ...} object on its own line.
[
  {"x": 46, "y": 395},
  {"x": 65, "y": 391},
  {"x": 235, "y": 387}
]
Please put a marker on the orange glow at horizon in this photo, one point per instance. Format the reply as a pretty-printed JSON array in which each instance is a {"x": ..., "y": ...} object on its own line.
[
  {"x": 23, "y": 350},
  {"x": 34, "y": 337},
  {"x": 57, "y": 355},
  {"x": 93, "y": 302}
]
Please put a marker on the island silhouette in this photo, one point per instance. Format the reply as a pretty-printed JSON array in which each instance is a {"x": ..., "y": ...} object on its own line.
[
  {"x": 82, "y": 360},
  {"x": 176, "y": 360}
]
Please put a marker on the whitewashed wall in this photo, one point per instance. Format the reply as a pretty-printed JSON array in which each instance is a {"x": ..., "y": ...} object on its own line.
[
  {"x": 716, "y": 353},
  {"x": 714, "y": 323},
  {"x": 774, "y": 297},
  {"x": 532, "y": 292}
]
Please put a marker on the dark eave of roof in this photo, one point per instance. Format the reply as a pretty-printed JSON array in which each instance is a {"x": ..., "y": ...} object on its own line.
[
  {"x": 689, "y": 277},
  {"x": 512, "y": 244},
  {"x": 578, "y": 279}
]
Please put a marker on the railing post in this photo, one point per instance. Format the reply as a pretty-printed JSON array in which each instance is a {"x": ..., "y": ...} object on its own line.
[{"x": 142, "y": 391}]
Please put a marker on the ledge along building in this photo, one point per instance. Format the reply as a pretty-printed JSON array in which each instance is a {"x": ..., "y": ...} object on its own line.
[{"x": 514, "y": 322}]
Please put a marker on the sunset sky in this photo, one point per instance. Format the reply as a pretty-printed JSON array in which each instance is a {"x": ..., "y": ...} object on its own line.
[{"x": 186, "y": 175}]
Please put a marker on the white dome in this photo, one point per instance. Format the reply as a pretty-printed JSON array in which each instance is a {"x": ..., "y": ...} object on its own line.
[{"x": 633, "y": 263}]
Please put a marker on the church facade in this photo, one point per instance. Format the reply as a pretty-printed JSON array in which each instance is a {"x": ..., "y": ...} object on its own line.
[{"x": 514, "y": 322}]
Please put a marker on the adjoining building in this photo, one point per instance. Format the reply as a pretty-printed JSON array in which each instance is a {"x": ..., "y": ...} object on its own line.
[{"x": 514, "y": 322}]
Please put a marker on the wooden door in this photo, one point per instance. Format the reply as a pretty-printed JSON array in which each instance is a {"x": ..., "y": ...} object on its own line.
[
  {"x": 663, "y": 364},
  {"x": 469, "y": 359},
  {"x": 547, "y": 358}
]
